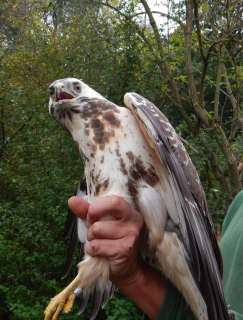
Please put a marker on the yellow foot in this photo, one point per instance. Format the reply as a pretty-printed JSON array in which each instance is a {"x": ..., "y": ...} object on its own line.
[
  {"x": 69, "y": 304},
  {"x": 61, "y": 302}
]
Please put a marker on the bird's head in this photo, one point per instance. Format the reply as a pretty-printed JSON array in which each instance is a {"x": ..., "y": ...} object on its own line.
[
  {"x": 83, "y": 112},
  {"x": 65, "y": 103},
  {"x": 65, "y": 92}
]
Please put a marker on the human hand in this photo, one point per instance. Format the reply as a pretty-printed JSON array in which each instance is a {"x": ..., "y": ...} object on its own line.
[{"x": 114, "y": 233}]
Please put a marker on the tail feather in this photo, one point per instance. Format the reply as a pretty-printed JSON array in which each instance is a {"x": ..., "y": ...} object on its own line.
[
  {"x": 83, "y": 304},
  {"x": 96, "y": 298},
  {"x": 97, "y": 303}
]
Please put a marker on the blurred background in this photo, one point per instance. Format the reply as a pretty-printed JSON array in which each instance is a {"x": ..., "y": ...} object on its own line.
[{"x": 185, "y": 56}]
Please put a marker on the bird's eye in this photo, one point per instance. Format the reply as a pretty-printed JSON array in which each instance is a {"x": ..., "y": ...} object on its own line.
[{"x": 77, "y": 87}]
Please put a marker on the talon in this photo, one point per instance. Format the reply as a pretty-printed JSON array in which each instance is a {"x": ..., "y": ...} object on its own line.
[
  {"x": 63, "y": 301},
  {"x": 69, "y": 304},
  {"x": 59, "y": 303},
  {"x": 54, "y": 308}
]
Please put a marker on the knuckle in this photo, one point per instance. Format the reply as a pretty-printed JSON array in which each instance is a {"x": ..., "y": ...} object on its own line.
[
  {"x": 91, "y": 211},
  {"x": 91, "y": 247},
  {"x": 116, "y": 202},
  {"x": 94, "y": 246},
  {"x": 89, "y": 235},
  {"x": 134, "y": 231},
  {"x": 129, "y": 249},
  {"x": 86, "y": 247},
  {"x": 95, "y": 228},
  {"x": 128, "y": 245}
]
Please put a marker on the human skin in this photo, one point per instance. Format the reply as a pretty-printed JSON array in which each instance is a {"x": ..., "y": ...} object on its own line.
[{"x": 114, "y": 233}]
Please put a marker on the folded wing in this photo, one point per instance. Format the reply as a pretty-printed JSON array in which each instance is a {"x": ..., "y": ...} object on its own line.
[{"x": 198, "y": 238}]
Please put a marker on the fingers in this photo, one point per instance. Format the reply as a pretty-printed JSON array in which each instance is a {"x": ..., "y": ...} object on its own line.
[
  {"x": 112, "y": 229},
  {"x": 109, "y": 208},
  {"x": 112, "y": 206},
  {"x": 78, "y": 206},
  {"x": 111, "y": 248}
]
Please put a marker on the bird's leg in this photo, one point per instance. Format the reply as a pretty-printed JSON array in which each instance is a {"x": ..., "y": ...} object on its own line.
[
  {"x": 89, "y": 270},
  {"x": 62, "y": 301}
]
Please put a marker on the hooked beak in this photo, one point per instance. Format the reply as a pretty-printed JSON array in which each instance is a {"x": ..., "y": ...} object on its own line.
[{"x": 57, "y": 95}]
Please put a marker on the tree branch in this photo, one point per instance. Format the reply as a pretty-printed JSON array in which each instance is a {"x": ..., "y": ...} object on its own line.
[
  {"x": 3, "y": 137},
  {"x": 218, "y": 173},
  {"x": 240, "y": 166},
  {"x": 209, "y": 51},
  {"x": 165, "y": 69},
  {"x": 107, "y": 4},
  {"x": 175, "y": 98},
  {"x": 165, "y": 15},
  {"x": 231, "y": 161},
  {"x": 162, "y": 14},
  {"x": 200, "y": 112},
  {"x": 217, "y": 90},
  {"x": 235, "y": 108},
  {"x": 198, "y": 29}
]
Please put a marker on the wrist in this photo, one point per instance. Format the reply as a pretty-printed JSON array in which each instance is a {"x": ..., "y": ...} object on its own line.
[
  {"x": 146, "y": 288},
  {"x": 132, "y": 277}
]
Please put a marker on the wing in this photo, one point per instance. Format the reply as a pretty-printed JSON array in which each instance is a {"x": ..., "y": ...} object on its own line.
[{"x": 198, "y": 236}]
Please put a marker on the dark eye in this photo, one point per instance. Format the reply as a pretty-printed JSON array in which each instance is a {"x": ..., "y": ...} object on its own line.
[{"x": 77, "y": 86}]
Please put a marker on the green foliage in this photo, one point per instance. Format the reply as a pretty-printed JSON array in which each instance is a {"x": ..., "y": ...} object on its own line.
[
  {"x": 39, "y": 165},
  {"x": 120, "y": 308}
]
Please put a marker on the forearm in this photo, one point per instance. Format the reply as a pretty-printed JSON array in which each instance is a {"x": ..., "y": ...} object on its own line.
[{"x": 146, "y": 288}]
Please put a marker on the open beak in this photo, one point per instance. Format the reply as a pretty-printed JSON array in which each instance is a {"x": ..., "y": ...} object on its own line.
[
  {"x": 57, "y": 95},
  {"x": 63, "y": 96}
]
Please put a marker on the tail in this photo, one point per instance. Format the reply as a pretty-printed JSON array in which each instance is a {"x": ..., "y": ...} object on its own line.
[{"x": 95, "y": 297}]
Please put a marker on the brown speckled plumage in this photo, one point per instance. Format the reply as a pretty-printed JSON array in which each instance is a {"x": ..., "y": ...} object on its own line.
[{"x": 136, "y": 154}]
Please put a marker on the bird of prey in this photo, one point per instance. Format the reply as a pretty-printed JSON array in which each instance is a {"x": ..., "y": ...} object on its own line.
[{"x": 154, "y": 174}]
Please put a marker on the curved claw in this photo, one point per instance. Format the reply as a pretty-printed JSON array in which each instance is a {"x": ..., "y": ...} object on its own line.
[
  {"x": 69, "y": 303},
  {"x": 54, "y": 308},
  {"x": 59, "y": 303}
]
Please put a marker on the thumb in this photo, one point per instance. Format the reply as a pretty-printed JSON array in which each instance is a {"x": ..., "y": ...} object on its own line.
[{"x": 78, "y": 206}]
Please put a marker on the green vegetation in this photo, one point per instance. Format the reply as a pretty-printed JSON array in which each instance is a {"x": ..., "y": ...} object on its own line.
[{"x": 191, "y": 71}]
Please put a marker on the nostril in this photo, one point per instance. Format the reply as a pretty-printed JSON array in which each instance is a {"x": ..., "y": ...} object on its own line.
[{"x": 52, "y": 90}]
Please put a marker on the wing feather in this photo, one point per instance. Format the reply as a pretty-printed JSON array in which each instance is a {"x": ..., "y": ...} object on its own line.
[{"x": 198, "y": 237}]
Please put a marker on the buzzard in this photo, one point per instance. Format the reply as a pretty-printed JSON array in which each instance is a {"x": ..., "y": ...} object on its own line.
[{"x": 153, "y": 173}]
